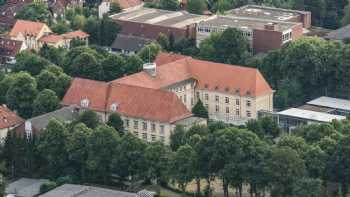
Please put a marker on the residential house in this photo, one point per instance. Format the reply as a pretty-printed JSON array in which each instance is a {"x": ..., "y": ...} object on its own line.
[
  {"x": 29, "y": 32},
  {"x": 128, "y": 45},
  {"x": 8, "y": 51},
  {"x": 150, "y": 114},
  {"x": 233, "y": 94},
  {"x": 52, "y": 40},
  {"x": 59, "y": 7},
  {"x": 11, "y": 7},
  {"x": 105, "y": 5},
  {"x": 75, "y": 35},
  {"x": 9, "y": 120},
  {"x": 85, "y": 191}
]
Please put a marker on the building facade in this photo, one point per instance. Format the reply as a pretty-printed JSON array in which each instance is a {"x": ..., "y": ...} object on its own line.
[
  {"x": 232, "y": 94},
  {"x": 9, "y": 120},
  {"x": 8, "y": 51},
  {"x": 262, "y": 35}
]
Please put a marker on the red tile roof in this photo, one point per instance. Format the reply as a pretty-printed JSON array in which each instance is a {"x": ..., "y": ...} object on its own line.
[
  {"x": 75, "y": 34},
  {"x": 26, "y": 27},
  {"x": 10, "y": 47},
  {"x": 165, "y": 58},
  {"x": 132, "y": 101},
  {"x": 52, "y": 38},
  {"x": 209, "y": 75},
  {"x": 125, "y": 4},
  {"x": 8, "y": 118}
]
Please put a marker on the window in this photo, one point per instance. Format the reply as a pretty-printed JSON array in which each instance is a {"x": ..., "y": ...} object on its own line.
[
  {"x": 153, "y": 138},
  {"x": 144, "y": 136},
  {"x": 227, "y": 100},
  {"x": 206, "y": 96},
  {"x": 161, "y": 138},
  {"x": 127, "y": 122},
  {"x": 237, "y": 101},
  {"x": 237, "y": 112},
  {"x": 136, "y": 124},
  {"x": 161, "y": 132},
  {"x": 185, "y": 98},
  {"x": 217, "y": 98},
  {"x": 227, "y": 110},
  {"x": 249, "y": 114},
  {"x": 153, "y": 127},
  {"x": 114, "y": 107},
  {"x": 248, "y": 103},
  {"x": 217, "y": 108},
  {"x": 197, "y": 94},
  {"x": 144, "y": 126}
]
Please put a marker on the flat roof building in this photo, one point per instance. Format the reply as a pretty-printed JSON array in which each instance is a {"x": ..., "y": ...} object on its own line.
[
  {"x": 338, "y": 106},
  {"x": 149, "y": 22},
  {"x": 263, "y": 34},
  {"x": 274, "y": 14}
]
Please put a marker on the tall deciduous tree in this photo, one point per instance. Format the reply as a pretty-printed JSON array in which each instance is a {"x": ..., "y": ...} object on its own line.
[
  {"x": 177, "y": 137},
  {"x": 168, "y": 4},
  {"x": 113, "y": 67},
  {"x": 21, "y": 94},
  {"x": 115, "y": 121},
  {"x": 102, "y": 148},
  {"x": 196, "y": 6},
  {"x": 86, "y": 65},
  {"x": 30, "y": 62},
  {"x": 36, "y": 11},
  {"x": 199, "y": 110},
  {"x": 89, "y": 118},
  {"x": 45, "y": 102}
]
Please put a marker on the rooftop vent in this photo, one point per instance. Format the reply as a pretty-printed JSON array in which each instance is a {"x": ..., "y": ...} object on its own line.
[{"x": 150, "y": 68}]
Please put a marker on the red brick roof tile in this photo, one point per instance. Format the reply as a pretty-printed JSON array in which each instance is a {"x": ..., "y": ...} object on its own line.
[
  {"x": 52, "y": 38},
  {"x": 125, "y": 4},
  {"x": 26, "y": 27},
  {"x": 132, "y": 101},
  {"x": 8, "y": 118},
  {"x": 75, "y": 34},
  {"x": 10, "y": 47},
  {"x": 209, "y": 75}
]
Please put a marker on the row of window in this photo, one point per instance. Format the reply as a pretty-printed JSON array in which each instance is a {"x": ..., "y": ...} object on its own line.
[
  {"x": 227, "y": 99},
  {"x": 145, "y": 126},
  {"x": 153, "y": 138},
  {"x": 227, "y": 110},
  {"x": 287, "y": 36},
  {"x": 215, "y": 29}
]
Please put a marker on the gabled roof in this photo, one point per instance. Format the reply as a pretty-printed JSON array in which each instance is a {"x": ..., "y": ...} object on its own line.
[
  {"x": 129, "y": 42},
  {"x": 10, "y": 47},
  {"x": 131, "y": 101},
  {"x": 52, "y": 38},
  {"x": 75, "y": 34},
  {"x": 339, "y": 34},
  {"x": 9, "y": 118},
  {"x": 26, "y": 28},
  {"x": 209, "y": 75}
]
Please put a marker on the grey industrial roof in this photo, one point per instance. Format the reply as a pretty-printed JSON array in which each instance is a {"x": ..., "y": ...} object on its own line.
[
  {"x": 69, "y": 190},
  {"x": 25, "y": 187},
  {"x": 263, "y": 12},
  {"x": 310, "y": 115},
  {"x": 244, "y": 22},
  {"x": 177, "y": 19},
  {"x": 64, "y": 114},
  {"x": 330, "y": 102},
  {"x": 130, "y": 43},
  {"x": 339, "y": 34}
]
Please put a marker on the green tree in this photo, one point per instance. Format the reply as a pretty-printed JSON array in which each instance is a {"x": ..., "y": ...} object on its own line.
[
  {"x": 78, "y": 22},
  {"x": 45, "y": 102},
  {"x": 46, "y": 80},
  {"x": 130, "y": 160},
  {"x": 113, "y": 67},
  {"x": 77, "y": 147},
  {"x": 53, "y": 147},
  {"x": 5, "y": 84},
  {"x": 60, "y": 27},
  {"x": 163, "y": 41},
  {"x": 286, "y": 169},
  {"x": 35, "y": 11},
  {"x": 53, "y": 54},
  {"x": 168, "y": 4},
  {"x": 115, "y": 121},
  {"x": 199, "y": 110},
  {"x": 32, "y": 63},
  {"x": 177, "y": 137},
  {"x": 109, "y": 31},
  {"x": 102, "y": 146},
  {"x": 115, "y": 8},
  {"x": 307, "y": 187},
  {"x": 182, "y": 166},
  {"x": 133, "y": 64},
  {"x": 196, "y": 6},
  {"x": 229, "y": 46},
  {"x": 47, "y": 186},
  {"x": 158, "y": 157},
  {"x": 86, "y": 65},
  {"x": 21, "y": 94},
  {"x": 149, "y": 52},
  {"x": 89, "y": 118}
]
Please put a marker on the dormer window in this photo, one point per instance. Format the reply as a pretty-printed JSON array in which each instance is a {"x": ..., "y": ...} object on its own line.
[
  {"x": 237, "y": 91},
  {"x": 216, "y": 87},
  {"x": 206, "y": 85},
  {"x": 114, "y": 107},
  {"x": 85, "y": 103}
]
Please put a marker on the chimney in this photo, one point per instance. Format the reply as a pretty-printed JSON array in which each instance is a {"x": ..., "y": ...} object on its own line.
[
  {"x": 272, "y": 26},
  {"x": 150, "y": 68}
]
